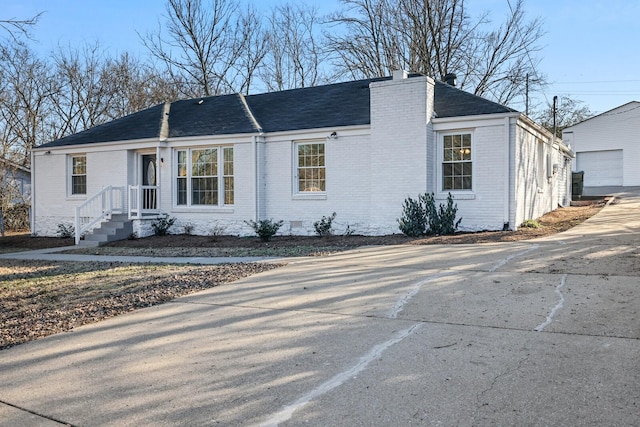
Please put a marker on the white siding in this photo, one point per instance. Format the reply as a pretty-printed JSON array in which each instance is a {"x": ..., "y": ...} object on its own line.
[
  {"x": 483, "y": 208},
  {"x": 53, "y": 203},
  {"x": 618, "y": 129},
  {"x": 535, "y": 183}
]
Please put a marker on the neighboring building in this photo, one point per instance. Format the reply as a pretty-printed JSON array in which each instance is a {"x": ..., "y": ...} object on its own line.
[
  {"x": 15, "y": 182},
  {"x": 607, "y": 147},
  {"x": 356, "y": 148}
]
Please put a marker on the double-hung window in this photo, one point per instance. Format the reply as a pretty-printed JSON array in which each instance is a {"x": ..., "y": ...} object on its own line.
[
  {"x": 310, "y": 167},
  {"x": 78, "y": 175},
  {"x": 457, "y": 167},
  {"x": 204, "y": 176}
]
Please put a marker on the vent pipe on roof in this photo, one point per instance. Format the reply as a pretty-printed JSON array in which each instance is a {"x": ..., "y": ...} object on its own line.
[{"x": 451, "y": 79}]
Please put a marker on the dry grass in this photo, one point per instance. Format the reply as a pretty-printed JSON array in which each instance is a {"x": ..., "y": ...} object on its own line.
[{"x": 39, "y": 298}]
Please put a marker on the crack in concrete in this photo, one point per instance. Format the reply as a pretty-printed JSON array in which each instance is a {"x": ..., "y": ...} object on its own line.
[
  {"x": 37, "y": 414},
  {"x": 287, "y": 412},
  {"x": 498, "y": 377},
  {"x": 558, "y": 306},
  {"x": 503, "y": 262}
]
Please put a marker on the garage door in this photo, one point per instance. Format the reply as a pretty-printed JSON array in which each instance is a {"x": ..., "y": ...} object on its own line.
[{"x": 600, "y": 167}]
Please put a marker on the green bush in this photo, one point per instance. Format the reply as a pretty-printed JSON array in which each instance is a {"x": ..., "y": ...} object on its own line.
[
  {"x": 162, "y": 225},
  {"x": 323, "y": 227},
  {"x": 66, "y": 231},
  {"x": 531, "y": 223},
  {"x": 421, "y": 217},
  {"x": 413, "y": 221},
  {"x": 265, "y": 228}
]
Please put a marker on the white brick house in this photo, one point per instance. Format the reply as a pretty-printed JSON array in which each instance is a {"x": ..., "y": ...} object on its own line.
[{"x": 356, "y": 148}]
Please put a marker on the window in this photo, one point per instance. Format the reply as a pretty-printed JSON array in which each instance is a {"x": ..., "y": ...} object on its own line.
[
  {"x": 456, "y": 165},
  {"x": 310, "y": 167},
  {"x": 198, "y": 178},
  {"x": 78, "y": 180}
]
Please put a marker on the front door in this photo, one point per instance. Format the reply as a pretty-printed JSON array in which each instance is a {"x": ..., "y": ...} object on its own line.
[{"x": 149, "y": 177}]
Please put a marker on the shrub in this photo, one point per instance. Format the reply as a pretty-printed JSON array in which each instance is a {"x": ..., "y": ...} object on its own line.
[
  {"x": 66, "y": 231},
  {"x": 265, "y": 228},
  {"x": 349, "y": 231},
  {"x": 531, "y": 223},
  {"x": 323, "y": 227},
  {"x": 421, "y": 217},
  {"x": 446, "y": 223},
  {"x": 162, "y": 225},
  {"x": 216, "y": 231},
  {"x": 413, "y": 221},
  {"x": 188, "y": 228},
  {"x": 16, "y": 217}
]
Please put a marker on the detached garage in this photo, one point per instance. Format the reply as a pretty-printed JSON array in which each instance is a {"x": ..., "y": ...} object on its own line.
[
  {"x": 602, "y": 168},
  {"x": 607, "y": 147}
]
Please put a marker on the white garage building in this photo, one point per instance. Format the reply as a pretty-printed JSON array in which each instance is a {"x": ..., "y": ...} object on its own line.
[{"x": 607, "y": 147}]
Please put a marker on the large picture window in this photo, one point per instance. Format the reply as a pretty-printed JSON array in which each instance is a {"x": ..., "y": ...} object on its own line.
[
  {"x": 457, "y": 167},
  {"x": 310, "y": 167},
  {"x": 199, "y": 181},
  {"x": 78, "y": 172}
]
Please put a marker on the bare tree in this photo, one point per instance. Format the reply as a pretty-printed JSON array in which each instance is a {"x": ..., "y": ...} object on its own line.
[
  {"x": 250, "y": 47},
  {"x": 197, "y": 47},
  {"x": 14, "y": 26},
  {"x": 83, "y": 100},
  {"x": 435, "y": 38},
  {"x": 295, "y": 54},
  {"x": 362, "y": 38},
  {"x": 26, "y": 88},
  {"x": 568, "y": 112}
]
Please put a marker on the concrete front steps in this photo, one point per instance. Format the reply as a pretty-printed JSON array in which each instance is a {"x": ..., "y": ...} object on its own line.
[{"x": 119, "y": 227}]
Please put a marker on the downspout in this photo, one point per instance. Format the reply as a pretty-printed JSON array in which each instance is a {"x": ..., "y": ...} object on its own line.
[
  {"x": 32, "y": 210},
  {"x": 256, "y": 186},
  {"x": 257, "y": 160},
  {"x": 507, "y": 181}
]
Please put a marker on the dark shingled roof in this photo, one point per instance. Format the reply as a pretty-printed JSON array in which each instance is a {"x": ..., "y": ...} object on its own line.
[
  {"x": 452, "y": 102},
  {"x": 214, "y": 115},
  {"x": 141, "y": 125},
  {"x": 340, "y": 104}
]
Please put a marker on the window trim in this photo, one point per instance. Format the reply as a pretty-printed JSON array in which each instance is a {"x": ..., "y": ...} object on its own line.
[
  {"x": 295, "y": 181},
  {"x": 457, "y": 193},
  {"x": 220, "y": 178},
  {"x": 71, "y": 175}
]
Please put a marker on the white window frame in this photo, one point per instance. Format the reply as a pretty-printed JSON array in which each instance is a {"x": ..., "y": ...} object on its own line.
[
  {"x": 71, "y": 175},
  {"x": 301, "y": 194},
  {"x": 457, "y": 193},
  {"x": 221, "y": 178}
]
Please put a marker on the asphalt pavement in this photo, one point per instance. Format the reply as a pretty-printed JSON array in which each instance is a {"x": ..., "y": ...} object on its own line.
[{"x": 537, "y": 333}]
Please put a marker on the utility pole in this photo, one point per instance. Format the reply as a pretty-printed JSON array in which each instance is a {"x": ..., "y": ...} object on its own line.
[
  {"x": 526, "y": 96},
  {"x": 554, "y": 112}
]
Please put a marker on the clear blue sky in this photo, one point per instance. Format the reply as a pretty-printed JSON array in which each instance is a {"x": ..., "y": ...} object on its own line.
[{"x": 591, "y": 50}]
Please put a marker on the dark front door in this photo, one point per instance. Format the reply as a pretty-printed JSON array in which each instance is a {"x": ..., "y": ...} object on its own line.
[{"x": 149, "y": 176}]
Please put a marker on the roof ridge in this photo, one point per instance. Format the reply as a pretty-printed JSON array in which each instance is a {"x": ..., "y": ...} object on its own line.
[{"x": 247, "y": 109}]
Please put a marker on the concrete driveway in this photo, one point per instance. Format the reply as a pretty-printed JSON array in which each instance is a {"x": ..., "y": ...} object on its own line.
[{"x": 538, "y": 333}]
